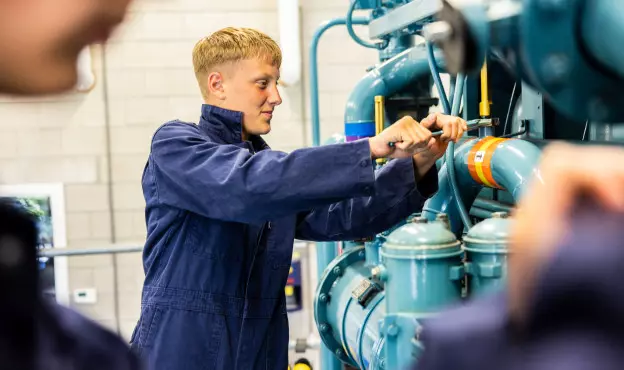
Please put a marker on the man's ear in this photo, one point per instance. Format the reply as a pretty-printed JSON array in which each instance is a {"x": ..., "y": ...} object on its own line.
[{"x": 215, "y": 85}]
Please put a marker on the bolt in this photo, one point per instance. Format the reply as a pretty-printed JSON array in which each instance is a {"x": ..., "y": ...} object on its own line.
[
  {"x": 339, "y": 353},
  {"x": 337, "y": 270},
  {"x": 361, "y": 254},
  {"x": 393, "y": 330},
  {"x": 323, "y": 298},
  {"x": 555, "y": 69},
  {"x": 437, "y": 32},
  {"x": 382, "y": 363},
  {"x": 324, "y": 328}
]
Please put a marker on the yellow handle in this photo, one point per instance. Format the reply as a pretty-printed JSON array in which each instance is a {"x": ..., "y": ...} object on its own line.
[
  {"x": 380, "y": 116},
  {"x": 484, "y": 106},
  {"x": 302, "y": 367}
]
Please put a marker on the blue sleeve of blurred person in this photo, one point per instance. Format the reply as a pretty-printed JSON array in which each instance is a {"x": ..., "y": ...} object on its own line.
[
  {"x": 397, "y": 196},
  {"x": 228, "y": 183},
  {"x": 575, "y": 318}
]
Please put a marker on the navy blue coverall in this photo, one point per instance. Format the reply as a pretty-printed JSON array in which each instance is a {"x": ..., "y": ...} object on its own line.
[{"x": 222, "y": 215}]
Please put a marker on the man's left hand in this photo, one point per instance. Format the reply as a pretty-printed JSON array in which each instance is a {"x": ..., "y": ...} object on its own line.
[{"x": 453, "y": 128}]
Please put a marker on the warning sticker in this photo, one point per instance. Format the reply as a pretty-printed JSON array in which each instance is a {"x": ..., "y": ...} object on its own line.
[{"x": 478, "y": 158}]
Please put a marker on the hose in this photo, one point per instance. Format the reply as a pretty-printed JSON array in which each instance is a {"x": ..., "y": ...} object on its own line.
[
  {"x": 450, "y": 156},
  {"x": 355, "y": 37},
  {"x": 446, "y": 108}
]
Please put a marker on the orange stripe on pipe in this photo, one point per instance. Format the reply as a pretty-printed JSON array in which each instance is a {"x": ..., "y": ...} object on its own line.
[{"x": 480, "y": 160}]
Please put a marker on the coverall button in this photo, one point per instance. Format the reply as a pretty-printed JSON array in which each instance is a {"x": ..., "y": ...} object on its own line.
[{"x": 364, "y": 163}]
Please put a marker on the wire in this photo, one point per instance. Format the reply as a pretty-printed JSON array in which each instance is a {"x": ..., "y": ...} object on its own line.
[
  {"x": 585, "y": 130},
  {"x": 513, "y": 94},
  {"x": 356, "y": 38}
]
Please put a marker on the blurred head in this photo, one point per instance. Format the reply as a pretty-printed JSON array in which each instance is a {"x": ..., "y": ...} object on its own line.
[
  {"x": 40, "y": 40},
  {"x": 238, "y": 69}
]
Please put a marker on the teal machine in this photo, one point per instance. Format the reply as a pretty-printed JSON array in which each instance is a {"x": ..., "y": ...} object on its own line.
[{"x": 548, "y": 69}]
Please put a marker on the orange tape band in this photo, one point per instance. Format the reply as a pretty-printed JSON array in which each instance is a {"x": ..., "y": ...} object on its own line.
[{"x": 480, "y": 159}]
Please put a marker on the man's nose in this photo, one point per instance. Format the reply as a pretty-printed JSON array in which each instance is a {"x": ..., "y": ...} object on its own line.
[{"x": 275, "y": 98}]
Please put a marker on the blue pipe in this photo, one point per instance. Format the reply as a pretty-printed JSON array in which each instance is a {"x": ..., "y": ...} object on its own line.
[
  {"x": 513, "y": 164},
  {"x": 355, "y": 37},
  {"x": 435, "y": 73},
  {"x": 325, "y": 254},
  {"x": 450, "y": 154},
  {"x": 314, "y": 90},
  {"x": 387, "y": 79}
]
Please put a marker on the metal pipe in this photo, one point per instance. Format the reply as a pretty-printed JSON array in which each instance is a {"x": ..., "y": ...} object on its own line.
[
  {"x": 325, "y": 254},
  {"x": 484, "y": 106},
  {"x": 314, "y": 90},
  {"x": 510, "y": 163},
  {"x": 450, "y": 154},
  {"x": 60, "y": 252},
  {"x": 492, "y": 205},
  {"x": 435, "y": 73},
  {"x": 388, "y": 78},
  {"x": 602, "y": 30}
]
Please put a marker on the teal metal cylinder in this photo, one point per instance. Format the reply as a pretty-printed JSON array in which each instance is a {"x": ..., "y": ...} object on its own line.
[
  {"x": 487, "y": 249},
  {"x": 424, "y": 267},
  {"x": 348, "y": 308},
  {"x": 423, "y": 272}
]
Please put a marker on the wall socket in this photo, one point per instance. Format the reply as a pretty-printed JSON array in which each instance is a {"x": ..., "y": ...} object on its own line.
[{"x": 85, "y": 296}]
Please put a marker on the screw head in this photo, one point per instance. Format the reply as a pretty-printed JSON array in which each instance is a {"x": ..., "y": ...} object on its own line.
[
  {"x": 339, "y": 352},
  {"x": 393, "y": 330},
  {"x": 324, "y": 328},
  {"x": 337, "y": 270},
  {"x": 323, "y": 298}
]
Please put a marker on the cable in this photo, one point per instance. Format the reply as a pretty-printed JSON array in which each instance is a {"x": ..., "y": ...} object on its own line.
[
  {"x": 450, "y": 154},
  {"x": 356, "y": 38},
  {"x": 513, "y": 94},
  {"x": 585, "y": 130},
  {"x": 452, "y": 92},
  {"x": 446, "y": 108}
]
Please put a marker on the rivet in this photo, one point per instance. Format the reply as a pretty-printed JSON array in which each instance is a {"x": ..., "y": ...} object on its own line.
[
  {"x": 323, "y": 297},
  {"x": 393, "y": 330},
  {"x": 339, "y": 353},
  {"x": 337, "y": 270},
  {"x": 324, "y": 328}
]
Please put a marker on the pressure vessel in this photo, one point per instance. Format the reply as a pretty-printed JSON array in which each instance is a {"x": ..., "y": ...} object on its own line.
[{"x": 487, "y": 250}]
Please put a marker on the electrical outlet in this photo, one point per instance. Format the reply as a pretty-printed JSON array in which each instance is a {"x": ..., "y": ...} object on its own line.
[{"x": 85, "y": 296}]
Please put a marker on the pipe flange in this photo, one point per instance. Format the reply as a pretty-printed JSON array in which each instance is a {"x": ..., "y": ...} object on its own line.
[
  {"x": 323, "y": 298},
  {"x": 558, "y": 66}
]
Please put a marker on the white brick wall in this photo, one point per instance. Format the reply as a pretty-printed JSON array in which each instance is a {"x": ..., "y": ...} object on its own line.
[{"x": 150, "y": 81}]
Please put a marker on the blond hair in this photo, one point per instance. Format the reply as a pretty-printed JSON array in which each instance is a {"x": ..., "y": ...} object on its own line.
[{"x": 230, "y": 45}]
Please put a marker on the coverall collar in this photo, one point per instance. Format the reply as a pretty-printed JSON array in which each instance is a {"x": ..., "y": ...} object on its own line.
[{"x": 228, "y": 125}]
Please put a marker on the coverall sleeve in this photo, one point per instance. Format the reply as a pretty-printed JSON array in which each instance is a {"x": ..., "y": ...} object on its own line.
[
  {"x": 227, "y": 182},
  {"x": 397, "y": 196}
]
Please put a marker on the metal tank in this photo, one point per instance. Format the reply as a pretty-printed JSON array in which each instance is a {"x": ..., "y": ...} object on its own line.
[
  {"x": 422, "y": 273},
  {"x": 487, "y": 249}
]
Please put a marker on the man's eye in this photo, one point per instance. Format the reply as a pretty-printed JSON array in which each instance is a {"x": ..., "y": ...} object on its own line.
[{"x": 262, "y": 84}]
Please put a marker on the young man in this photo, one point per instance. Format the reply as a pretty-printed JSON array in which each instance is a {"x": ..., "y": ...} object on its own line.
[
  {"x": 223, "y": 210},
  {"x": 39, "y": 46}
]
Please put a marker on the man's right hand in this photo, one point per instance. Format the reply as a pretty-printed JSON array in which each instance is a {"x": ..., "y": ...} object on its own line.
[
  {"x": 568, "y": 172},
  {"x": 409, "y": 137}
]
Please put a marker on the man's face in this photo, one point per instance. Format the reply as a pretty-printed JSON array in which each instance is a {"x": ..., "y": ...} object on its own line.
[
  {"x": 40, "y": 40},
  {"x": 250, "y": 86}
]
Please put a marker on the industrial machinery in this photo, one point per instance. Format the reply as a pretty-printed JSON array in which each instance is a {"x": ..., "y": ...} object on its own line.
[{"x": 548, "y": 69}]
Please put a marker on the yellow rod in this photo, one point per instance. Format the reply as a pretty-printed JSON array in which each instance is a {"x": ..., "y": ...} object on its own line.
[
  {"x": 484, "y": 106},
  {"x": 379, "y": 119}
]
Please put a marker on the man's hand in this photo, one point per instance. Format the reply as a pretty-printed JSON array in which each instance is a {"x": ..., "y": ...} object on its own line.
[
  {"x": 541, "y": 221},
  {"x": 412, "y": 138}
]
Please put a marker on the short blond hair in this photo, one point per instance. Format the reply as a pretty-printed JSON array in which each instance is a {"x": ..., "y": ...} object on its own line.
[{"x": 230, "y": 45}]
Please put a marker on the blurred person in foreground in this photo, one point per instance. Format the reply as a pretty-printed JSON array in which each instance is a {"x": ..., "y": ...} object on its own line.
[
  {"x": 564, "y": 306},
  {"x": 40, "y": 41}
]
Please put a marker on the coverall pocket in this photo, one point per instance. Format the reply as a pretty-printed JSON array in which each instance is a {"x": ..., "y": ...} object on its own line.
[{"x": 150, "y": 320}]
